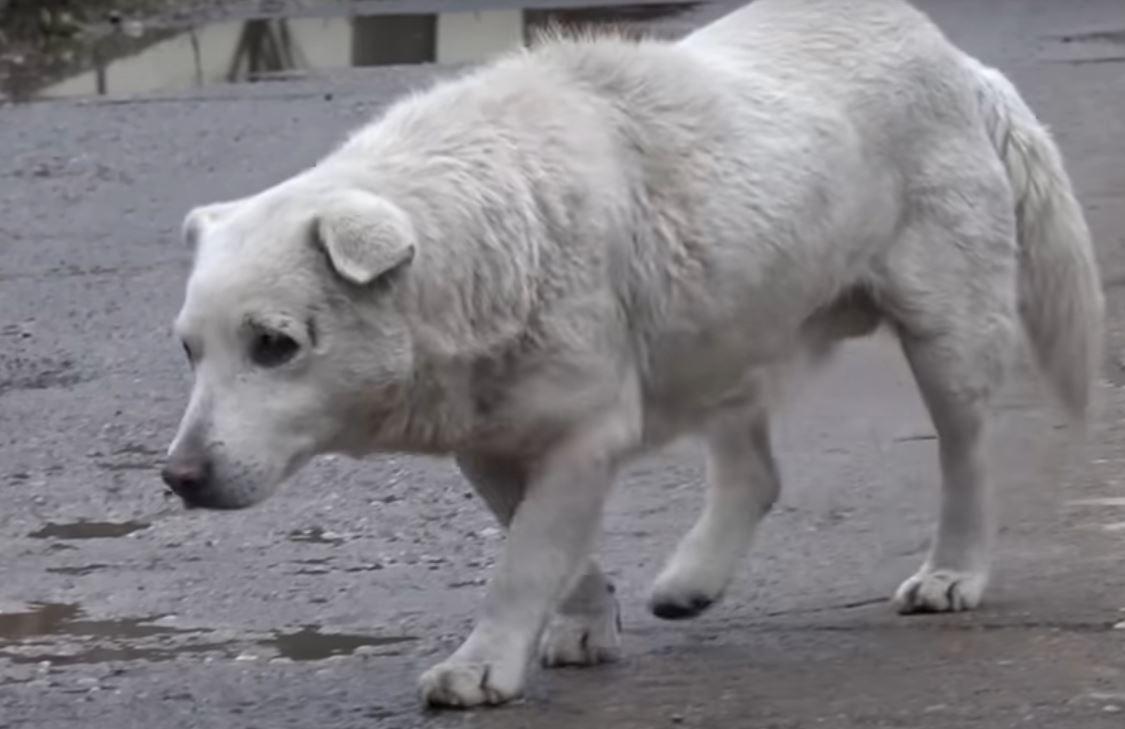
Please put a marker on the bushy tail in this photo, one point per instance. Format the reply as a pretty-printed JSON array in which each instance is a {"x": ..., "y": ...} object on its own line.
[{"x": 1061, "y": 300}]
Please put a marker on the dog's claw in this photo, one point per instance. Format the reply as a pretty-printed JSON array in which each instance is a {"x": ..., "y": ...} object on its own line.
[
  {"x": 939, "y": 591},
  {"x": 463, "y": 685},
  {"x": 582, "y": 640}
]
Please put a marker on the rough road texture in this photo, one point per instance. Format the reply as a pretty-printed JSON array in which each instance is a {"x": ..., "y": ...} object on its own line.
[{"x": 200, "y": 619}]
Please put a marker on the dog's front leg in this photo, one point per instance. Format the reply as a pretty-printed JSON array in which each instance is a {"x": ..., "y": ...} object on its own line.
[{"x": 549, "y": 541}]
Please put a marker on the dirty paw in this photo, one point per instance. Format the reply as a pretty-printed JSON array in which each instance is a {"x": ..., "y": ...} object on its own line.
[
  {"x": 462, "y": 685},
  {"x": 582, "y": 640},
  {"x": 940, "y": 591}
]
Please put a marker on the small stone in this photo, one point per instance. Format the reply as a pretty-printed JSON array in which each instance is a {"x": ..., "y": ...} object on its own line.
[
  {"x": 677, "y": 718},
  {"x": 1111, "y": 709}
]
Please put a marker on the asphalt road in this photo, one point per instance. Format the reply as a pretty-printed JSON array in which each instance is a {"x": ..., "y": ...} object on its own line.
[{"x": 318, "y": 608}]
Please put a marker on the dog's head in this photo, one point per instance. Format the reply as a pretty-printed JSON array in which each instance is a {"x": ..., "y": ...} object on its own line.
[{"x": 294, "y": 332}]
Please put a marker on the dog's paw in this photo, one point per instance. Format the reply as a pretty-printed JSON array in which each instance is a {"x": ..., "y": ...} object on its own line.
[
  {"x": 582, "y": 640},
  {"x": 680, "y": 594},
  {"x": 679, "y": 607},
  {"x": 462, "y": 685},
  {"x": 940, "y": 591}
]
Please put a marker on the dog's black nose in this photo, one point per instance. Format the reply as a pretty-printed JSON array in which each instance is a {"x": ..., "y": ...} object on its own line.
[{"x": 186, "y": 478}]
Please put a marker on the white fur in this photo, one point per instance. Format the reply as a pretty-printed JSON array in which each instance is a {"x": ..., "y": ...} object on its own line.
[{"x": 579, "y": 252}]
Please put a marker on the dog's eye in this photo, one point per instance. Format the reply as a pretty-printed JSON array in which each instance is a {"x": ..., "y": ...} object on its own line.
[{"x": 272, "y": 349}]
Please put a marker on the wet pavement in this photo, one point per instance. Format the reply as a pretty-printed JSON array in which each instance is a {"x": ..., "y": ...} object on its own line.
[{"x": 318, "y": 608}]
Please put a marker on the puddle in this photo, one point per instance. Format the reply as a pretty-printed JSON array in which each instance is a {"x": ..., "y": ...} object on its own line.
[
  {"x": 88, "y": 530},
  {"x": 309, "y": 644},
  {"x": 46, "y": 619},
  {"x": 111, "y": 653},
  {"x": 59, "y": 633},
  {"x": 134, "y": 57},
  {"x": 126, "y": 639}
]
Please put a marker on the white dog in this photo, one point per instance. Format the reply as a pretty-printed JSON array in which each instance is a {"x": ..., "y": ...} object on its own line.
[{"x": 584, "y": 250}]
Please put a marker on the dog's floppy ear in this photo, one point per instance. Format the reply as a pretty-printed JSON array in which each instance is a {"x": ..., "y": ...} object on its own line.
[
  {"x": 197, "y": 220},
  {"x": 365, "y": 236}
]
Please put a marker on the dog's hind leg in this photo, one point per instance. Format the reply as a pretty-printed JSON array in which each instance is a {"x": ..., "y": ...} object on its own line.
[
  {"x": 954, "y": 295},
  {"x": 956, "y": 571},
  {"x": 743, "y": 484},
  {"x": 586, "y": 628}
]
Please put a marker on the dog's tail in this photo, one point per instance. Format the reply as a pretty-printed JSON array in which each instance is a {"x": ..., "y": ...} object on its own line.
[{"x": 1060, "y": 292}]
